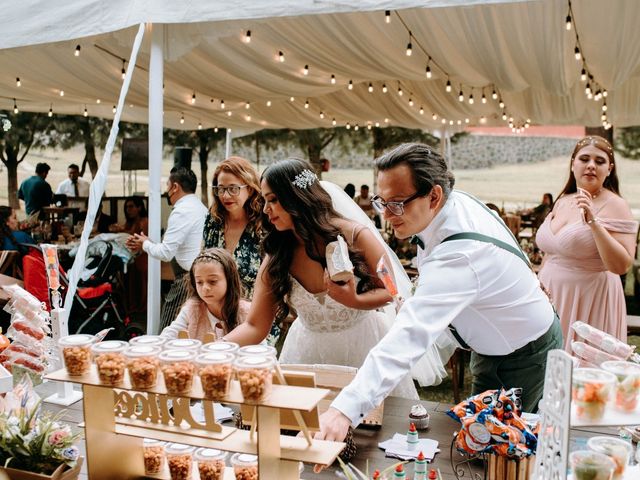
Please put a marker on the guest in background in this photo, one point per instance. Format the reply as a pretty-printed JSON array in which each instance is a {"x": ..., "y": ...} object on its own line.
[
  {"x": 74, "y": 186},
  {"x": 36, "y": 192},
  {"x": 350, "y": 189},
  {"x": 539, "y": 213},
  {"x": 589, "y": 240},
  {"x": 364, "y": 202},
  {"x": 135, "y": 216},
  {"x": 10, "y": 236}
]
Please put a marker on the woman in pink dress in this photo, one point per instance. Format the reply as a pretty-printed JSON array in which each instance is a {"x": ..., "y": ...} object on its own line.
[{"x": 589, "y": 241}]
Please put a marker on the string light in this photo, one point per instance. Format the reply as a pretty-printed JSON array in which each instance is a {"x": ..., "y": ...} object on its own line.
[
  {"x": 50, "y": 114},
  {"x": 77, "y": 51},
  {"x": 409, "y": 46},
  {"x": 248, "y": 118},
  {"x": 501, "y": 104},
  {"x": 471, "y": 99},
  {"x": 281, "y": 56},
  {"x": 305, "y": 70},
  {"x": 377, "y": 124},
  {"x": 247, "y": 105},
  {"x": 604, "y": 107},
  {"x": 98, "y": 101},
  {"x": 229, "y": 113},
  {"x": 182, "y": 119},
  {"x": 411, "y": 102},
  {"x": 583, "y": 75},
  {"x": 494, "y": 94},
  {"x": 368, "y": 126},
  {"x": 15, "y": 106},
  {"x": 370, "y": 87},
  {"x": 86, "y": 113},
  {"x": 577, "y": 53},
  {"x": 114, "y": 109},
  {"x": 568, "y": 22},
  {"x": 199, "y": 126},
  {"x": 461, "y": 96},
  {"x": 350, "y": 85},
  {"x": 268, "y": 103},
  {"x": 356, "y": 128},
  {"x": 292, "y": 99},
  {"x": 333, "y": 80},
  {"x": 484, "y": 98},
  {"x": 434, "y": 116},
  {"x": 504, "y": 116},
  {"x": 62, "y": 93},
  {"x": 421, "y": 111},
  {"x": 333, "y": 122},
  {"x": 400, "y": 93},
  {"x": 387, "y": 16},
  {"x": 348, "y": 126},
  {"x": 605, "y": 93},
  {"x": 448, "y": 87},
  {"x": 428, "y": 71},
  {"x": 221, "y": 104},
  {"x": 18, "y": 82},
  {"x": 443, "y": 121},
  {"x": 306, "y": 104},
  {"x": 193, "y": 98},
  {"x": 322, "y": 115},
  {"x": 123, "y": 71},
  {"x": 247, "y": 37},
  {"x": 215, "y": 129},
  {"x": 386, "y": 120},
  {"x": 384, "y": 88}
]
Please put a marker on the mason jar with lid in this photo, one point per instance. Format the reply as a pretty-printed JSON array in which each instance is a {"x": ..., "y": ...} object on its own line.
[
  {"x": 183, "y": 344},
  {"x": 153, "y": 451},
  {"x": 257, "y": 350},
  {"x": 179, "y": 459},
  {"x": 255, "y": 375},
  {"x": 148, "y": 340},
  {"x": 245, "y": 466},
  {"x": 211, "y": 463},
  {"x": 219, "y": 347},
  {"x": 215, "y": 370},
  {"x": 109, "y": 357},
  {"x": 178, "y": 370},
  {"x": 76, "y": 353},
  {"x": 142, "y": 363}
]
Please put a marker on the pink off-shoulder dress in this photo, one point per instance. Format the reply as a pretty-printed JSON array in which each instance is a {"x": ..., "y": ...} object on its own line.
[{"x": 580, "y": 285}]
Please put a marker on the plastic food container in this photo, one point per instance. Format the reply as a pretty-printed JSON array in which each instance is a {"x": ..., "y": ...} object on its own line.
[
  {"x": 183, "y": 344},
  {"x": 215, "y": 373},
  {"x": 153, "y": 455},
  {"x": 76, "y": 353},
  {"x": 142, "y": 363},
  {"x": 591, "y": 391},
  {"x": 219, "y": 347},
  {"x": 179, "y": 458},
  {"x": 109, "y": 357},
  {"x": 589, "y": 465},
  {"x": 210, "y": 463},
  {"x": 178, "y": 370},
  {"x": 148, "y": 340},
  {"x": 245, "y": 466},
  {"x": 628, "y": 386},
  {"x": 255, "y": 375},
  {"x": 616, "y": 449},
  {"x": 257, "y": 350}
]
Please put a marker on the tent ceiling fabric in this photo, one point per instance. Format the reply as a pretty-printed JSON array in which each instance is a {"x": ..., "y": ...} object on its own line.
[{"x": 521, "y": 48}]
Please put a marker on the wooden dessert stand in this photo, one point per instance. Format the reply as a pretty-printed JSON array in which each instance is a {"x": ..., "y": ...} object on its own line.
[{"x": 117, "y": 419}]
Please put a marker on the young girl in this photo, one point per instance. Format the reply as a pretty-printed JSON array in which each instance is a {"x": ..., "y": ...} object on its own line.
[{"x": 214, "y": 305}]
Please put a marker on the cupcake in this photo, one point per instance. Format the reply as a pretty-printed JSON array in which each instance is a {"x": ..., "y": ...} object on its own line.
[{"x": 419, "y": 417}]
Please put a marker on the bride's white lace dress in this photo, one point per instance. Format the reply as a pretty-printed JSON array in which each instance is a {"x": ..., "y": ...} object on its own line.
[{"x": 327, "y": 332}]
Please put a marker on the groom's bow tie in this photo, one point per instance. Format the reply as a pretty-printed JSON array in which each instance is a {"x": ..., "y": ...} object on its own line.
[{"x": 416, "y": 240}]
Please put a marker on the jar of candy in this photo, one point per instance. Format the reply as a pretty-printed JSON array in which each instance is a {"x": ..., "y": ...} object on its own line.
[
  {"x": 210, "y": 463},
  {"x": 591, "y": 391},
  {"x": 153, "y": 451},
  {"x": 255, "y": 375},
  {"x": 142, "y": 363},
  {"x": 109, "y": 357},
  {"x": 178, "y": 370},
  {"x": 215, "y": 370},
  {"x": 245, "y": 466},
  {"x": 179, "y": 459},
  {"x": 76, "y": 353}
]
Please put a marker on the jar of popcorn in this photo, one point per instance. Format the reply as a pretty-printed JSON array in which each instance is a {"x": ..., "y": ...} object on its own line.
[
  {"x": 220, "y": 347},
  {"x": 179, "y": 459},
  {"x": 215, "y": 370},
  {"x": 257, "y": 350},
  {"x": 142, "y": 363},
  {"x": 255, "y": 375},
  {"x": 210, "y": 463},
  {"x": 178, "y": 370},
  {"x": 148, "y": 340},
  {"x": 109, "y": 357},
  {"x": 76, "y": 353},
  {"x": 183, "y": 344},
  {"x": 245, "y": 466},
  {"x": 153, "y": 451}
]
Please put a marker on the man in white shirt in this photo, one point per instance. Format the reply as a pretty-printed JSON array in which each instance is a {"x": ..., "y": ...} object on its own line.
[
  {"x": 477, "y": 282},
  {"x": 181, "y": 242},
  {"x": 74, "y": 186}
]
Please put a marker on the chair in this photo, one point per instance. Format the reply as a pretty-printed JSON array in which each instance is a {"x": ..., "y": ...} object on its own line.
[{"x": 10, "y": 263}]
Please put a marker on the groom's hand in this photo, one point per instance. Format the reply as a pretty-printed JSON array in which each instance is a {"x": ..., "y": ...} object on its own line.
[{"x": 334, "y": 426}]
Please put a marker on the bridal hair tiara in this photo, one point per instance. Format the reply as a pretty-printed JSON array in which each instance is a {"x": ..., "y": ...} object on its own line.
[{"x": 304, "y": 179}]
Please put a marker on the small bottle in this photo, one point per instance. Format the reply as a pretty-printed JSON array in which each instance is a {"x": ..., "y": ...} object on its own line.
[
  {"x": 412, "y": 437},
  {"x": 399, "y": 472},
  {"x": 420, "y": 467},
  {"x": 432, "y": 474}
]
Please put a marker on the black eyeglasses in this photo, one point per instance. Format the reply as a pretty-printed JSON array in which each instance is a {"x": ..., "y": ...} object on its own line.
[
  {"x": 232, "y": 190},
  {"x": 396, "y": 208}
]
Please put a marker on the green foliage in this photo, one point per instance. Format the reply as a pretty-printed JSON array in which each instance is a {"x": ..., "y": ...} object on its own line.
[
  {"x": 27, "y": 130},
  {"x": 628, "y": 142}
]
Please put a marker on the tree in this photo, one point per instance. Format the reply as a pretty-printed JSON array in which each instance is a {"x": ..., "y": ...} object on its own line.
[
  {"x": 628, "y": 142},
  {"x": 268, "y": 139},
  {"x": 27, "y": 131},
  {"x": 313, "y": 141}
]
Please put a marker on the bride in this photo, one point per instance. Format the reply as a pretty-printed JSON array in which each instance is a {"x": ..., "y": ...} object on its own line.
[{"x": 336, "y": 324}]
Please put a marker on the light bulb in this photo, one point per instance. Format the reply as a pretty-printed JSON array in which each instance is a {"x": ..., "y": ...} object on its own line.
[
  {"x": 348, "y": 126},
  {"x": 268, "y": 103},
  {"x": 18, "y": 82},
  {"x": 450, "y": 122},
  {"x": 370, "y": 87},
  {"x": 182, "y": 119},
  {"x": 377, "y": 124},
  {"x": 604, "y": 107},
  {"x": 248, "y": 118},
  {"x": 215, "y": 129},
  {"x": 368, "y": 126},
  {"x": 281, "y": 56},
  {"x": 123, "y": 72},
  {"x": 409, "y": 49},
  {"x": 386, "y": 120},
  {"x": 193, "y": 98},
  {"x": 387, "y": 16},
  {"x": 471, "y": 99},
  {"x": 247, "y": 105},
  {"x": 356, "y": 128},
  {"x": 384, "y": 88},
  {"x": 77, "y": 51},
  {"x": 400, "y": 91},
  {"x": 114, "y": 109},
  {"x": 483, "y": 120},
  {"x": 605, "y": 93},
  {"x": 587, "y": 90},
  {"x": 411, "y": 102},
  {"x": 350, "y": 86},
  {"x": 501, "y": 104},
  {"x": 333, "y": 122},
  {"x": 504, "y": 116},
  {"x": 494, "y": 94},
  {"x": 421, "y": 111},
  {"x": 305, "y": 70},
  {"x": 247, "y": 37},
  {"x": 443, "y": 121},
  {"x": 603, "y": 116},
  {"x": 321, "y": 114},
  {"x": 461, "y": 96},
  {"x": 459, "y": 122},
  {"x": 292, "y": 99},
  {"x": 583, "y": 75},
  {"x": 199, "y": 126},
  {"x": 333, "y": 79},
  {"x": 62, "y": 93},
  {"x": 434, "y": 116},
  {"x": 86, "y": 113},
  {"x": 229, "y": 113},
  {"x": 98, "y": 101},
  {"x": 448, "y": 87},
  {"x": 484, "y": 99},
  {"x": 568, "y": 22},
  {"x": 15, "y": 107},
  {"x": 50, "y": 114},
  {"x": 577, "y": 53},
  {"x": 428, "y": 71},
  {"x": 222, "y": 104},
  {"x": 306, "y": 104}
]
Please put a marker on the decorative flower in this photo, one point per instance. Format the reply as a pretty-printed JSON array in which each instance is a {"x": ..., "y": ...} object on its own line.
[
  {"x": 71, "y": 453},
  {"x": 57, "y": 436}
]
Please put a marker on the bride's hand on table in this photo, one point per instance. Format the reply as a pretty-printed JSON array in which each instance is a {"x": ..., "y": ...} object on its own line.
[
  {"x": 334, "y": 426},
  {"x": 344, "y": 293}
]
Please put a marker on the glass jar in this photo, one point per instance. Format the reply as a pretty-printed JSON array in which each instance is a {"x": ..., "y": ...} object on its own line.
[
  {"x": 109, "y": 357},
  {"x": 591, "y": 391},
  {"x": 76, "y": 353},
  {"x": 215, "y": 373},
  {"x": 210, "y": 463},
  {"x": 255, "y": 375},
  {"x": 628, "y": 386},
  {"x": 148, "y": 341},
  {"x": 245, "y": 466},
  {"x": 142, "y": 363},
  {"x": 589, "y": 465},
  {"x": 257, "y": 350},
  {"x": 179, "y": 459},
  {"x": 219, "y": 347},
  {"x": 617, "y": 450},
  {"x": 153, "y": 451},
  {"x": 183, "y": 344},
  {"x": 178, "y": 370}
]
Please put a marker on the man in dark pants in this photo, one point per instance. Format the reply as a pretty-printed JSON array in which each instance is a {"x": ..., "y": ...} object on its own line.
[
  {"x": 35, "y": 191},
  {"x": 474, "y": 282}
]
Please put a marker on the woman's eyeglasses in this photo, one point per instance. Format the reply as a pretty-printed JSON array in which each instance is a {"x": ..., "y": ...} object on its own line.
[
  {"x": 396, "y": 208},
  {"x": 232, "y": 190}
]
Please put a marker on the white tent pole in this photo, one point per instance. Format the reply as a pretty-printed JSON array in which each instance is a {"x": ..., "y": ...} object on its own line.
[
  {"x": 227, "y": 151},
  {"x": 155, "y": 170}
]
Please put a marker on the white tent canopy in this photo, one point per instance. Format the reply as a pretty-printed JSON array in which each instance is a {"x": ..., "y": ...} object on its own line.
[{"x": 520, "y": 49}]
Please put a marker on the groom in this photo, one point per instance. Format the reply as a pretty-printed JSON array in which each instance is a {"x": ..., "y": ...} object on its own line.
[{"x": 479, "y": 286}]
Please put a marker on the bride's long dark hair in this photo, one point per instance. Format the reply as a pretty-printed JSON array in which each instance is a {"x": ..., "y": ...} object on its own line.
[{"x": 313, "y": 217}]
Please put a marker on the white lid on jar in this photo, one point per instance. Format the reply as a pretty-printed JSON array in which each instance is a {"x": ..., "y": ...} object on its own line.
[
  {"x": 183, "y": 344},
  {"x": 150, "y": 340},
  {"x": 261, "y": 350},
  {"x": 142, "y": 351},
  {"x": 80, "y": 340},
  {"x": 590, "y": 375},
  {"x": 621, "y": 368},
  {"x": 179, "y": 449},
  {"x": 609, "y": 445},
  {"x": 228, "y": 347},
  {"x": 244, "y": 460},
  {"x": 152, "y": 442},
  {"x": 215, "y": 358},
  {"x": 254, "y": 362},
  {"x": 177, "y": 356},
  {"x": 208, "y": 454},
  {"x": 109, "y": 346}
]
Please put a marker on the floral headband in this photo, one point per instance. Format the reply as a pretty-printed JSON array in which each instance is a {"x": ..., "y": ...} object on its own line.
[
  {"x": 597, "y": 142},
  {"x": 304, "y": 179}
]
